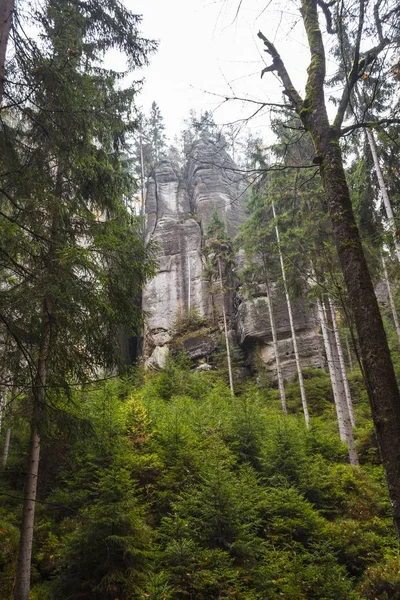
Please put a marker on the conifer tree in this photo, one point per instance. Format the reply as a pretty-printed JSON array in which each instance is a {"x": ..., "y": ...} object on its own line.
[
  {"x": 77, "y": 260},
  {"x": 378, "y": 20}
]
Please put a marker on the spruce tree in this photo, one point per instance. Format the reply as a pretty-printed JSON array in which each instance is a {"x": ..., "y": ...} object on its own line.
[{"x": 77, "y": 260}]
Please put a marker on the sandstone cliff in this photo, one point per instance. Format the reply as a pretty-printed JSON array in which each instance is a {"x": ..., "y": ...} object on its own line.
[{"x": 178, "y": 210}]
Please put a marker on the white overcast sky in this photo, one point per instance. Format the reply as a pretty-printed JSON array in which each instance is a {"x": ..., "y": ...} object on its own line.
[{"x": 205, "y": 50}]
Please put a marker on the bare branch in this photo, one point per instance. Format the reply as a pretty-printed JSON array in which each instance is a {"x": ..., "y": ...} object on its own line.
[
  {"x": 250, "y": 100},
  {"x": 368, "y": 124},
  {"x": 357, "y": 71},
  {"x": 325, "y": 6},
  {"x": 378, "y": 22},
  {"x": 278, "y": 66}
]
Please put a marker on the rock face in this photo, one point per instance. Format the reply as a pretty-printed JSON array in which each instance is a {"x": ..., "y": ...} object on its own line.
[{"x": 178, "y": 210}]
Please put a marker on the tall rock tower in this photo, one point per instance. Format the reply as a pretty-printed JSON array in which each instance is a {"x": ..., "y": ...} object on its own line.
[{"x": 179, "y": 208}]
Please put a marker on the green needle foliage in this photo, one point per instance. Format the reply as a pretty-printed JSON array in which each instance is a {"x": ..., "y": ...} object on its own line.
[
  {"x": 197, "y": 494},
  {"x": 67, "y": 240}
]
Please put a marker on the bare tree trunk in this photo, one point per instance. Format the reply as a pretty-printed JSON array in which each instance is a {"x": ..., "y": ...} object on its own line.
[
  {"x": 281, "y": 384},
  {"x": 349, "y": 353},
  {"x": 6, "y": 447},
  {"x": 7, "y": 438},
  {"x": 331, "y": 367},
  {"x": 228, "y": 351},
  {"x": 13, "y": 397},
  {"x": 189, "y": 281},
  {"x": 6, "y": 14},
  {"x": 142, "y": 193},
  {"x": 3, "y": 404},
  {"x": 292, "y": 329},
  {"x": 341, "y": 363},
  {"x": 23, "y": 568},
  {"x": 346, "y": 427},
  {"x": 391, "y": 300},
  {"x": 385, "y": 195}
]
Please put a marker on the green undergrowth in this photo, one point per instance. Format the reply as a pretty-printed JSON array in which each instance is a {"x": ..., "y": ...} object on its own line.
[{"x": 164, "y": 487}]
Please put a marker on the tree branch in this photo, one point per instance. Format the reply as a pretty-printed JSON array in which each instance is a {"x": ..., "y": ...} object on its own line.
[
  {"x": 325, "y": 6},
  {"x": 368, "y": 124},
  {"x": 357, "y": 70},
  {"x": 378, "y": 22},
  {"x": 278, "y": 66},
  {"x": 354, "y": 74}
]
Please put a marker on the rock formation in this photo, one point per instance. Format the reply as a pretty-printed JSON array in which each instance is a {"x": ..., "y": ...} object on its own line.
[{"x": 178, "y": 210}]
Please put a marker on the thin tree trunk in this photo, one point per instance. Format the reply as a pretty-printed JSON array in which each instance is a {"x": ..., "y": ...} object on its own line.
[
  {"x": 384, "y": 192},
  {"x": 2, "y": 409},
  {"x": 345, "y": 425},
  {"x": 7, "y": 437},
  {"x": 351, "y": 367},
  {"x": 23, "y": 568},
  {"x": 6, "y": 447},
  {"x": 228, "y": 352},
  {"x": 292, "y": 329},
  {"x": 142, "y": 196},
  {"x": 281, "y": 384},
  {"x": 331, "y": 368},
  {"x": 341, "y": 363},
  {"x": 189, "y": 280},
  {"x": 391, "y": 300},
  {"x": 14, "y": 395},
  {"x": 6, "y": 14}
]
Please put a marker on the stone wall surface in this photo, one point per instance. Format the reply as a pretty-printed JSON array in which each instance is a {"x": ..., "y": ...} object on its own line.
[{"x": 179, "y": 207}]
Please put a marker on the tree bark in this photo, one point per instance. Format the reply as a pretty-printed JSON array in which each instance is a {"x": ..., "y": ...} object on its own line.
[
  {"x": 378, "y": 368},
  {"x": 292, "y": 329},
  {"x": 391, "y": 299},
  {"x": 339, "y": 394},
  {"x": 6, "y": 14},
  {"x": 349, "y": 357},
  {"x": 384, "y": 192},
  {"x": 6, "y": 447},
  {"x": 279, "y": 374},
  {"x": 14, "y": 395},
  {"x": 2, "y": 409},
  {"x": 189, "y": 282},
  {"x": 341, "y": 363},
  {"x": 228, "y": 351},
  {"x": 23, "y": 568},
  {"x": 347, "y": 427}
]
